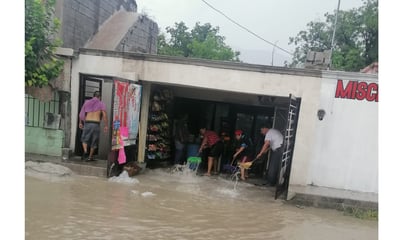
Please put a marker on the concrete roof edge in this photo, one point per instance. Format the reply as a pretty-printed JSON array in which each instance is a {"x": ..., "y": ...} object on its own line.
[
  {"x": 64, "y": 51},
  {"x": 371, "y": 77},
  {"x": 203, "y": 62}
]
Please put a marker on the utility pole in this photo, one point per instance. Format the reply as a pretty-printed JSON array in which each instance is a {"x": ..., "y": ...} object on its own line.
[
  {"x": 333, "y": 35},
  {"x": 273, "y": 51}
]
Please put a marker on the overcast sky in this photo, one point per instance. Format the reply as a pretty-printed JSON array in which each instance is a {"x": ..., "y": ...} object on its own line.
[{"x": 274, "y": 20}]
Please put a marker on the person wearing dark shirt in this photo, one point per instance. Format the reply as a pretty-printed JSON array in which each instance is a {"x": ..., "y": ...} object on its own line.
[
  {"x": 244, "y": 151},
  {"x": 181, "y": 138}
]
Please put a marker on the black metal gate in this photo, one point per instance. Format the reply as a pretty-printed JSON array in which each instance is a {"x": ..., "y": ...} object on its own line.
[{"x": 288, "y": 146}]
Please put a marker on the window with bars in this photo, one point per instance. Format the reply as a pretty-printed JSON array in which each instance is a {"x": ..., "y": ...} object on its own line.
[{"x": 36, "y": 110}]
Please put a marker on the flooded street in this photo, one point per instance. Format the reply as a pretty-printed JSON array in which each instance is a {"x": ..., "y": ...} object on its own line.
[{"x": 159, "y": 205}]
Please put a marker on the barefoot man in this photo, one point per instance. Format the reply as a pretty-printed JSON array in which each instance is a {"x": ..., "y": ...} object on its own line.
[
  {"x": 212, "y": 141},
  {"x": 89, "y": 120}
]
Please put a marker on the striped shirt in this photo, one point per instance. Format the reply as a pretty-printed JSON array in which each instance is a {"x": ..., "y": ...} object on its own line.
[{"x": 211, "y": 138}]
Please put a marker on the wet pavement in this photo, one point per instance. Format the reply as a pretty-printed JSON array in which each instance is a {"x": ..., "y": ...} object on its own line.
[{"x": 161, "y": 205}]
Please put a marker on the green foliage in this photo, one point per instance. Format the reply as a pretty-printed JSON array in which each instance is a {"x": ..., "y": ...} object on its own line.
[
  {"x": 203, "y": 41},
  {"x": 41, "y": 65},
  {"x": 356, "y": 38}
]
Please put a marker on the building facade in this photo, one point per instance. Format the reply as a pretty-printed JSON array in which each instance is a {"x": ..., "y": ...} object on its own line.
[{"x": 335, "y": 144}]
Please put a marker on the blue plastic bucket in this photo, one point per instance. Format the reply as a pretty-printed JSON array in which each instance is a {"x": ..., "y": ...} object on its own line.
[{"x": 192, "y": 150}]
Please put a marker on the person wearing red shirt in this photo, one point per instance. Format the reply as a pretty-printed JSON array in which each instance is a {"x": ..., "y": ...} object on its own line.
[{"x": 210, "y": 140}]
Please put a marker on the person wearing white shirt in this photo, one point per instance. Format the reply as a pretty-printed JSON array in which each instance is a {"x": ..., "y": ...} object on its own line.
[{"x": 273, "y": 141}]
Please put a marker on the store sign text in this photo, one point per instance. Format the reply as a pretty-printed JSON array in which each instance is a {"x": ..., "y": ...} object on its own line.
[{"x": 357, "y": 90}]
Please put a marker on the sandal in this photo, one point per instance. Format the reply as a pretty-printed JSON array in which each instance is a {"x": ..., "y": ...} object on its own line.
[{"x": 90, "y": 159}]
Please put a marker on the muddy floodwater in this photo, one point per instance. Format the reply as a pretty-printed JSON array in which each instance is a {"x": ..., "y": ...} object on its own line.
[{"x": 160, "y": 205}]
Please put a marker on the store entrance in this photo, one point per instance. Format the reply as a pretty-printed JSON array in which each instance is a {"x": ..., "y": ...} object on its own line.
[
  {"x": 224, "y": 119},
  {"x": 222, "y": 112}
]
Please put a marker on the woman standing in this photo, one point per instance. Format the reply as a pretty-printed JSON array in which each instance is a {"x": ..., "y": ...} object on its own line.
[{"x": 210, "y": 140}]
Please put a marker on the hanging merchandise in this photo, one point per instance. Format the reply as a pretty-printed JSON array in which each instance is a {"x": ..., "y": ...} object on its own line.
[
  {"x": 119, "y": 112},
  {"x": 126, "y": 113},
  {"x": 158, "y": 132},
  {"x": 125, "y": 125},
  {"x": 134, "y": 95},
  {"x": 124, "y": 132},
  {"x": 116, "y": 135},
  {"x": 122, "y": 156}
]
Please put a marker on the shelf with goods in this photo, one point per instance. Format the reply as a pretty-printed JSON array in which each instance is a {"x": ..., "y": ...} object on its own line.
[{"x": 158, "y": 132}]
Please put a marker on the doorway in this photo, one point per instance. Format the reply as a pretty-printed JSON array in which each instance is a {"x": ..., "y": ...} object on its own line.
[
  {"x": 224, "y": 118},
  {"x": 224, "y": 112},
  {"x": 88, "y": 85}
]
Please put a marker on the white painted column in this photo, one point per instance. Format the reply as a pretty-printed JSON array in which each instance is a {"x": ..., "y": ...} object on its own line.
[{"x": 144, "y": 117}]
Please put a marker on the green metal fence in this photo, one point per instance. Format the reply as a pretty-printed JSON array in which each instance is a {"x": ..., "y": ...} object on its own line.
[{"x": 35, "y": 109}]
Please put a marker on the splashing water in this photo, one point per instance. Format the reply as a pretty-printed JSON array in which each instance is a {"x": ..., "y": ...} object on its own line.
[
  {"x": 124, "y": 178},
  {"x": 233, "y": 193},
  {"x": 148, "y": 194},
  {"x": 235, "y": 177},
  {"x": 184, "y": 171}
]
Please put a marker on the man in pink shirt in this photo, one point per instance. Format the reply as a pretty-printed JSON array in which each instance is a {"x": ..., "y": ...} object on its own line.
[
  {"x": 89, "y": 120},
  {"x": 210, "y": 140}
]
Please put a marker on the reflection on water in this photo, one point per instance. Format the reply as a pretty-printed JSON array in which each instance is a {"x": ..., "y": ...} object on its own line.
[{"x": 180, "y": 206}]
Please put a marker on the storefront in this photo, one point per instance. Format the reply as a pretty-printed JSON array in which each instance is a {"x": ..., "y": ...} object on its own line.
[{"x": 224, "y": 95}]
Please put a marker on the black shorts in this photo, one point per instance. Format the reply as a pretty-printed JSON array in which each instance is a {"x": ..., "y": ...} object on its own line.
[{"x": 216, "y": 150}]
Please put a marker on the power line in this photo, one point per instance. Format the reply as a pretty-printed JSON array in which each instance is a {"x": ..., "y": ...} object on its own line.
[{"x": 254, "y": 34}]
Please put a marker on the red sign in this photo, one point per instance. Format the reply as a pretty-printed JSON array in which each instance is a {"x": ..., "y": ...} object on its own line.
[{"x": 357, "y": 90}]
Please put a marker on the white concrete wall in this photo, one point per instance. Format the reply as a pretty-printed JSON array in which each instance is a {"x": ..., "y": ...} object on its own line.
[
  {"x": 346, "y": 140},
  {"x": 253, "y": 82}
]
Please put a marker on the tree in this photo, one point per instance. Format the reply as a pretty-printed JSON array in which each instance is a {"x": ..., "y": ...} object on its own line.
[
  {"x": 203, "y": 41},
  {"x": 41, "y": 64},
  {"x": 356, "y": 38}
]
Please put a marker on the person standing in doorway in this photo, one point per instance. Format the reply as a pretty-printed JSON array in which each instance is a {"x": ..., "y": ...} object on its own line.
[
  {"x": 93, "y": 110},
  {"x": 210, "y": 140},
  {"x": 181, "y": 138},
  {"x": 273, "y": 141}
]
